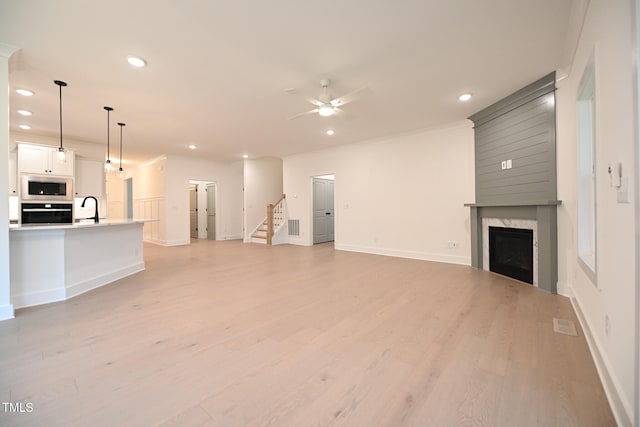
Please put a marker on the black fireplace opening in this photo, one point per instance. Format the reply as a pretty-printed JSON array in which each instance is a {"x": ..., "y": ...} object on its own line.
[{"x": 511, "y": 252}]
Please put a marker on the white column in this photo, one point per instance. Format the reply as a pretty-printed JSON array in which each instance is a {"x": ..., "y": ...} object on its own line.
[{"x": 6, "y": 308}]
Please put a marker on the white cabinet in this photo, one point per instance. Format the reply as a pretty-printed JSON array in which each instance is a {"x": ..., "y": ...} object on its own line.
[
  {"x": 89, "y": 178},
  {"x": 41, "y": 159},
  {"x": 13, "y": 174}
]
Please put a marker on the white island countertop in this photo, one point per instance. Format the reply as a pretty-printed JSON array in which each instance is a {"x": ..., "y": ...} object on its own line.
[{"x": 85, "y": 223}]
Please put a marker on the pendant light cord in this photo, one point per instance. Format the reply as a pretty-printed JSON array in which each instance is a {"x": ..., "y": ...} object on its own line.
[
  {"x": 60, "y": 84},
  {"x": 108, "y": 162},
  {"x": 61, "y": 116},
  {"x": 121, "y": 125},
  {"x": 108, "y": 155}
]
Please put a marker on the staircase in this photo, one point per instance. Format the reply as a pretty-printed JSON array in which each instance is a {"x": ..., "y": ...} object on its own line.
[
  {"x": 272, "y": 225},
  {"x": 259, "y": 235}
]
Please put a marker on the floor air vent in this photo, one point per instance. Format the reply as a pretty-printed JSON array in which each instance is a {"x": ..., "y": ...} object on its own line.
[
  {"x": 564, "y": 326},
  {"x": 294, "y": 227}
]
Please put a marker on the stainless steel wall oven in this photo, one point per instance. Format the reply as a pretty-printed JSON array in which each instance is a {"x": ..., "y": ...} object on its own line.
[{"x": 46, "y": 213}]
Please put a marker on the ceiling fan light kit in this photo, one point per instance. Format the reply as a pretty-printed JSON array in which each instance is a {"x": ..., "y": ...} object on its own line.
[{"x": 326, "y": 110}]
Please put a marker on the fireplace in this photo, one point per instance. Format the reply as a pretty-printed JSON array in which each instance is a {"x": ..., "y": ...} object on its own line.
[{"x": 511, "y": 252}]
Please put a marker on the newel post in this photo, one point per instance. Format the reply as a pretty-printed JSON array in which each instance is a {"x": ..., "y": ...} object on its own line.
[{"x": 269, "y": 224}]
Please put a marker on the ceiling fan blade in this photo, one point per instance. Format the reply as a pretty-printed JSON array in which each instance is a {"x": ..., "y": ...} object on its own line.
[
  {"x": 293, "y": 91},
  {"x": 315, "y": 102},
  {"x": 350, "y": 97},
  {"x": 314, "y": 111}
]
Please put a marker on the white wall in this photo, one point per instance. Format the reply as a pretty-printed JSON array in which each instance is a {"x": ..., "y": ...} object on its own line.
[
  {"x": 115, "y": 196},
  {"x": 228, "y": 179},
  {"x": 401, "y": 196},
  {"x": 6, "y": 309},
  {"x": 149, "y": 198},
  {"x": 262, "y": 186},
  {"x": 607, "y": 29}
]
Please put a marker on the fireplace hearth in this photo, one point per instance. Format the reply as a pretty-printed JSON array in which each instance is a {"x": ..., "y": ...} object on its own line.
[{"x": 511, "y": 252}]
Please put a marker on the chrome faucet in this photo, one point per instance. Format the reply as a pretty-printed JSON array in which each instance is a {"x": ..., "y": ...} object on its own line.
[{"x": 96, "y": 219}]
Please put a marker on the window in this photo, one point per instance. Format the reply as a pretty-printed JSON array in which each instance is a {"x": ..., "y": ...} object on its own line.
[{"x": 585, "y": 111}]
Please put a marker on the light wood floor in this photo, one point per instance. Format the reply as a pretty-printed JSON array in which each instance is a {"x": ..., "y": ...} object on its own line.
[{"x": 233, "y": 334}]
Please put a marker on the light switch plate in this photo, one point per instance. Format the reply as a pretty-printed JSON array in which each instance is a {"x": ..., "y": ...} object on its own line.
[
  {"x": 509, "y": 164},
  {"x": 504, "y": 164}
]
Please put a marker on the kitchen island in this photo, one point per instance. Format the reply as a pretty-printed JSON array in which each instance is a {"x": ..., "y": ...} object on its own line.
[{"x": 56, "y": 262}]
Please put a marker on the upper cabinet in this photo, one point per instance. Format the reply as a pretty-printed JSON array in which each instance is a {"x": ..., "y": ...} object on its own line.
[
  {"x": 13, "y": 174},
  {"x": 89, "y": 178},
  {"x": 40, "y": 159}
]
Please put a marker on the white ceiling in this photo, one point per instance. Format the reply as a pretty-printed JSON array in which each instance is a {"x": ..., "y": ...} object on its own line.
[{"x": 217, "y": 70}]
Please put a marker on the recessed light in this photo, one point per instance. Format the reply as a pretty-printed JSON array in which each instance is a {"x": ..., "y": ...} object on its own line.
[
  {"x": 245, "y": 156},
  {"x": 25, "y": 112},
  {"x": 330, "y": 132},
  {"x": 465, "y": 97},
  {"x": 25, "y": 127},
  {"x": 192, "y": 147},
  {"x": 136, "y": 61},
  {"x": 24, "y": 92}
]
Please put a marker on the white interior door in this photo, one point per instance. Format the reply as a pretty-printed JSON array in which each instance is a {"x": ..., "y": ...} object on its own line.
[
  {"x": 193, "y": 210},
  {"x": 211, "y": 211},
  {"x": 323, "y": 211}
]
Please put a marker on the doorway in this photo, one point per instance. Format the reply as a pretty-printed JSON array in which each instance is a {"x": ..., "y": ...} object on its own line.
[
  {"x": 323, "y": 209},
  {"x": 202, "y": 209},
  {"x": 193, "y": 210},
  {"x": 211, "y": 211}
]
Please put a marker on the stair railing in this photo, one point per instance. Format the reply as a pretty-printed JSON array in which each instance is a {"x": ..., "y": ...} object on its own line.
[{"x": 275, "y": 217}]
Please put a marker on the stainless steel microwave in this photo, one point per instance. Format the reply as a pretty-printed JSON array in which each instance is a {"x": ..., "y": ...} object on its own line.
[{"x": 35, "y": 187}]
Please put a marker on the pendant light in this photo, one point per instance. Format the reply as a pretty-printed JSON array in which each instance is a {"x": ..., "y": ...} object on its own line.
[
  {"x": 107, "y": 165},
  {"x": 61, "y": 153},
  {"x": 120, "y": 171}
]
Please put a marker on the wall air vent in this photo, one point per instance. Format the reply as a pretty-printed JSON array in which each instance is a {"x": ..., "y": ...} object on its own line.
[{"x": 294, "y": 227}]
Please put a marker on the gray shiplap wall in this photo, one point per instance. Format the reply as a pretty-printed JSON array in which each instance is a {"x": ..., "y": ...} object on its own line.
[{"x": 520, "y": 128}]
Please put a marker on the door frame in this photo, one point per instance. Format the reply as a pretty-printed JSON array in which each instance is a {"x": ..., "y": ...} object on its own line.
[
  {"x": 194, "y": 187},
  {"x": 202, "y": 184}
]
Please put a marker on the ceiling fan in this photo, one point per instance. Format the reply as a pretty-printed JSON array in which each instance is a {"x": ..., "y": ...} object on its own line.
[{"x": 326, "y": 105}]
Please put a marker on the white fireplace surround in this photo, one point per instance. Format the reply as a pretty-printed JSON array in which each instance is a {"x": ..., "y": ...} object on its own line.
[{"x": 527, "y": 224}]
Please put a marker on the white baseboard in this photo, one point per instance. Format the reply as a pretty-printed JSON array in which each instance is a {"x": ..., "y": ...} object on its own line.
[
  {"x": 155, "y": 242},
  {"x": 70, "y": 291},
  {"x": 231, "y": 237},
  {"x": 38, "y": 298},
  {"x": 177, "y": 242},
  {"x": 424, "y": 256},
  {"x": 298, "y": 242},
  {"x": 168, "y": 242},
  {"x": 622, "y": 410},
  {"x": 95, "y": 282},
  {"x": 565, "y": 289},
  {"x": 6, "y": 312}
]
